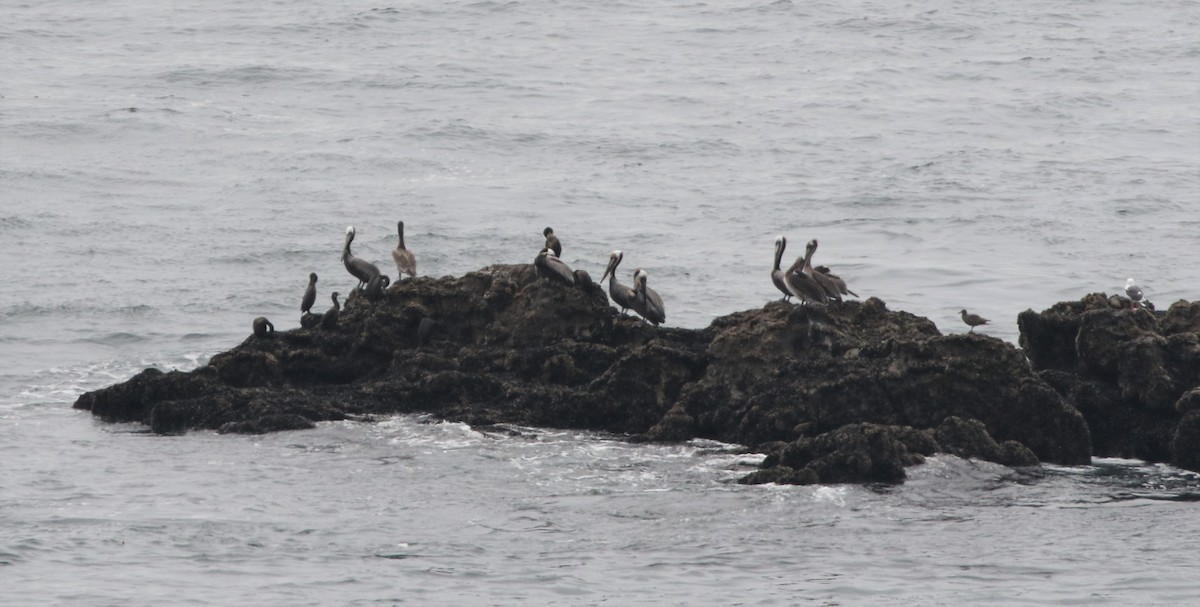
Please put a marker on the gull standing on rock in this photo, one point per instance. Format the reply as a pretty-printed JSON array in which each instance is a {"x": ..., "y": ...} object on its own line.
[
  {"x": 406, "y": 262},
  {"x": 973, "y": 320},
  {"x": 620, "y": 294},
  {"x": 1134, "y": 292},
  {"x": 361, "y": 269},
  {"x": 646, "y": 301},
  {"x": 777, "y": 275}
]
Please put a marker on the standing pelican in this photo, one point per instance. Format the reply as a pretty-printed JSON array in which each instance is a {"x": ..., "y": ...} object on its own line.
[
  {"x": 1134, "y": 292},
  {"x": 330, "y": 319},
  {"x": 803, "y": 285},
  {"x": 549, "y": 266},
  {"x": 645, "y": 301},
  {"x": 831, "y": 289},
  {"x": 777, "y": 275},
  {"x": 406, "y": 263},
  {"x": 552, "y": 242},
  {"x": 973, "y": 320},
  {"x": 360, "y": 268},
  {"x": 310, "y": 294},
  {"x": 620, "y": 294}
]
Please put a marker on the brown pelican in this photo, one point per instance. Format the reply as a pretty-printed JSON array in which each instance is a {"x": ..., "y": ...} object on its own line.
[
  {"x": 620, "y": 294},
  {"x": 645, "y": 301},
  {"x": 360, "y": 268},
  {"x": 263, "y": 327},
  {"x": 801, "y": 284},
  {"x": 552, "y": 242},
  {"x": 375, "y": 287},
  {"x": 973, "y": 320},
  {"x": 549, "y": 266},
  {"x": 330, "y": 319},
  {"x": 837, "y": 280},
  {"x": 406, "y": 263},
  {"x": 1134, "y": 292},
  {"x": 777, "y": 275},
  {"x": 310, "y": 294},
  {"x": 831, "y": 289}
]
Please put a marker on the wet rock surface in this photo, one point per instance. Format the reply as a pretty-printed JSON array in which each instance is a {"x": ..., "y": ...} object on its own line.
[
  {"x": 841, "y": 393},
  {"x": 1133, "y": 373}
]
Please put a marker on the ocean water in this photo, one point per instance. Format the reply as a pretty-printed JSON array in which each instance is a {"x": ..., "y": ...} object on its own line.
[{"x": 171, "y": 172}]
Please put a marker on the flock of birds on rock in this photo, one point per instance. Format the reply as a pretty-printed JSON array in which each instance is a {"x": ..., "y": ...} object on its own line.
[{"x": 807, "y": 283}]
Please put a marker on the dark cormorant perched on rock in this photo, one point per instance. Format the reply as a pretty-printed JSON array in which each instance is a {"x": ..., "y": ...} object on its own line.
[
  {"x": 263, "y": 327},
  {"x": 310, "y": 294},
  {"x": 330, "y": 320},
  {"x": 552, "y": 242},
  {"x": 375, "y": 287}
]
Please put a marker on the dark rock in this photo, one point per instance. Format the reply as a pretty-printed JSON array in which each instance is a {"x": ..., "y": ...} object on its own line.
[
  {"x": 969, "y": 438},
  {"x": 855, "y": 453},
  {"x": 1132, "y": 372},
  {"x": 853, "y": 391}
]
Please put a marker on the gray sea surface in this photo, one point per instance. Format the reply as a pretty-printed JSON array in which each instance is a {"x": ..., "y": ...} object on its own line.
[{"x": 169, "y": 172}]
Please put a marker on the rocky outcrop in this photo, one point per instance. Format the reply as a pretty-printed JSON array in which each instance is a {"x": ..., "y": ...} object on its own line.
[
  {"x": 1134, "y": 373},
  {"x": 841, "y": 393}
]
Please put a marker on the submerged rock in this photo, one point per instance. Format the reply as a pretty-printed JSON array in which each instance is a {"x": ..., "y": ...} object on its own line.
[{"x": 841, "y": 393}]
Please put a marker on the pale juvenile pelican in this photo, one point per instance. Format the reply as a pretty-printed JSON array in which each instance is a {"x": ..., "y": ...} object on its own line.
[{"x": 406, "y": 262}]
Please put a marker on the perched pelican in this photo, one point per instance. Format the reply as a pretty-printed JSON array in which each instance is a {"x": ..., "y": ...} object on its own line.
[
  {"x": 375, "y": 287},
  {"x": 837, "y": 280},
  {"x": 263, "y": 327},
  {"x": 361, "y": 269},
  {"x": 973, "y": 320},
  {"x": 645, "y": 301},
  {"x": 1134, "y": 292},
  {"x": 801, "y": 284},
  {"x": 620, "y": 294},
  {"x": 831, "y": 289},
  {"x": 550, "y": 266},
  {"x": 552, "y": 242},
  {"x": 777, "y": 275},
  {"x": 406, "y": 263},
  {"x": 310, "y": 294},
  {"x": 330, "y": 319}
]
